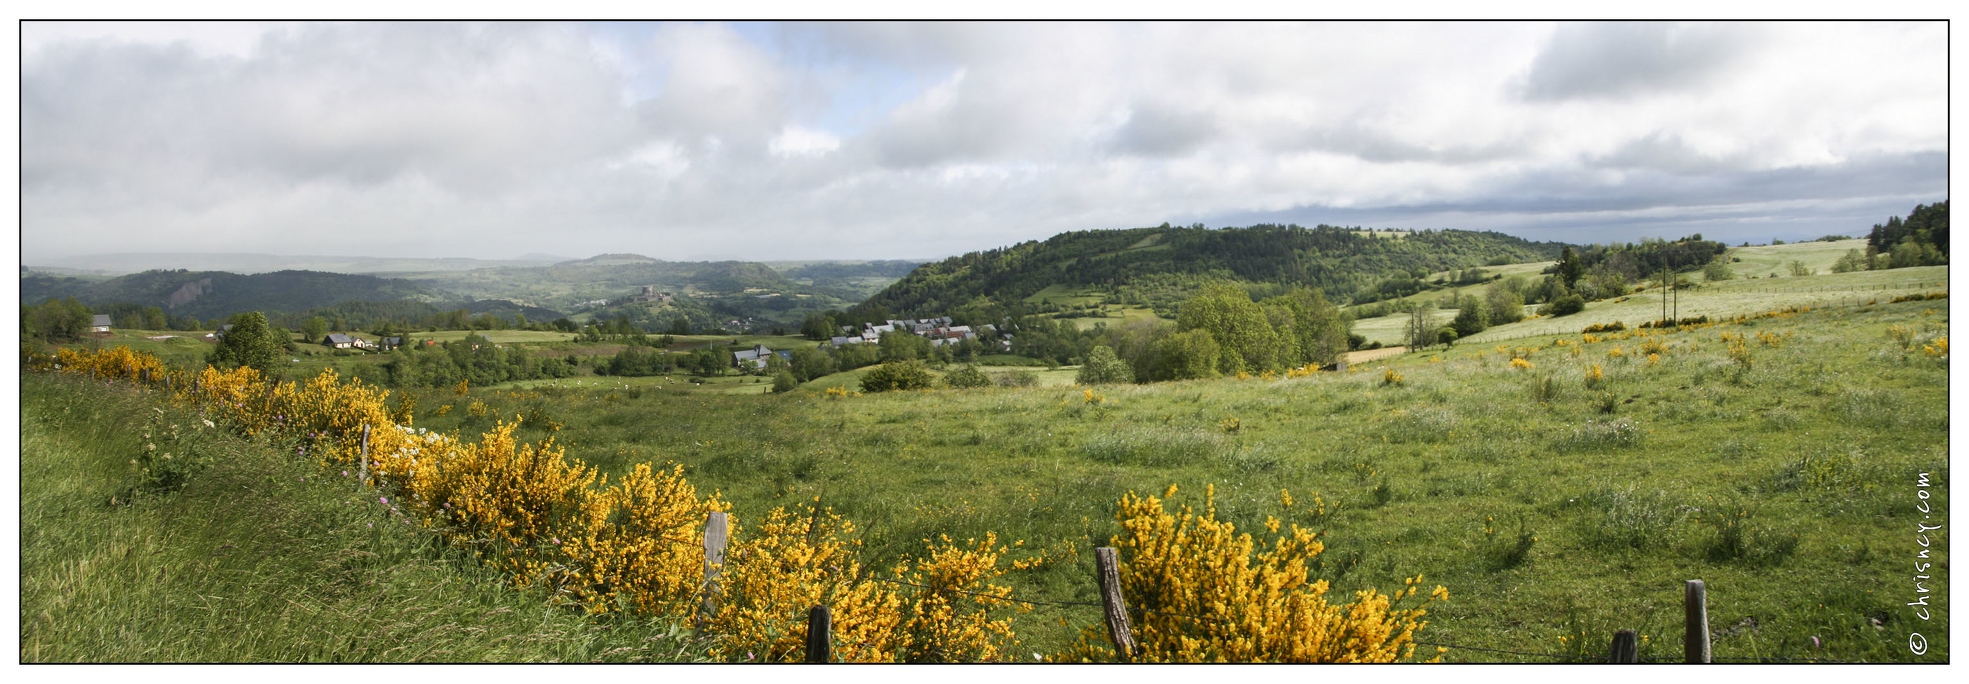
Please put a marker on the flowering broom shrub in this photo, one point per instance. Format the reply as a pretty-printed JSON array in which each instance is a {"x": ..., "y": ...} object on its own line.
[{"x": 1198, "y": 591}]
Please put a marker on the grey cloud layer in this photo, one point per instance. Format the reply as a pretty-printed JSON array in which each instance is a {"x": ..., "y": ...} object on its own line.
[{"x": 695, "y": 141}]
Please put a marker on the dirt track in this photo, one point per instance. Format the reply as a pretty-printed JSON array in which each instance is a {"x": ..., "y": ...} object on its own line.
[{"x": 1372, "y": 354}]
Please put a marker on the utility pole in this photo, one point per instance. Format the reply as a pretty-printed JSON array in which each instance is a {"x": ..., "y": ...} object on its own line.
[{"x": 1664, "y": 296}]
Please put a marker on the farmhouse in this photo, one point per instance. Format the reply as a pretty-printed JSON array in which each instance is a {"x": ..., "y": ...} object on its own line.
[
  {"x": 756, "y": 357},
  {"x": 341, "y": 341},
  {"x": 100, "y": 324}
]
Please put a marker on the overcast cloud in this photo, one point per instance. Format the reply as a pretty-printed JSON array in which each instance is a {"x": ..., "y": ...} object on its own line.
[{"x": 839, "y": 140}]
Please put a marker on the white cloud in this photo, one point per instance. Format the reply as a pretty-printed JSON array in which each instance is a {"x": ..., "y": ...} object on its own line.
[
  {"x": 794, "y": 141},
  {"x": 859, "y": 140}
]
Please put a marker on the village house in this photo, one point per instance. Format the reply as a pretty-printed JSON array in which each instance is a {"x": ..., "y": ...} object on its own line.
[
  {"x": 939, "y": 331},
  {"x": 755, "y": 358},
  {"x": 100, "y": 324},
  {"x": 341, "y": 341}
]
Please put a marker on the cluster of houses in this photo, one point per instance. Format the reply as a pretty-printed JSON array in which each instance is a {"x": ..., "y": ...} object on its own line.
[
  {"x": 649, "y": 294},
  {"x": 939, "y": 330}
]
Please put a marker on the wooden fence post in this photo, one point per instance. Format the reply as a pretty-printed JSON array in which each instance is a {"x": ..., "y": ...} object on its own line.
[
  {"x": 1626, "y": 648},
  {"x": 1116, "y": 607},
  {"x": 715, "y": 535},
  {"x": 820, "y": 635},
  {"x": 362, "y": 466},
  {"x": 1695, "y": 622}
]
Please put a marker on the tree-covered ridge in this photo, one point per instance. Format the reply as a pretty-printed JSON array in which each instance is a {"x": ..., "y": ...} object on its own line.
[
  {"x": 1647, "y": 257},
  {"x": 214, "y": 294},
  {"x": 1338, "y": 261},
  {"x": 1927, "y": 225}
]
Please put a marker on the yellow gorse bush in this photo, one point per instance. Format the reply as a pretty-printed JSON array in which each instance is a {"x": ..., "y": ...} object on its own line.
[
  {"x": 1303, "y": 371},
  {"x": 1521, "y": 364},
  {"x": 1200, "y": 591}
]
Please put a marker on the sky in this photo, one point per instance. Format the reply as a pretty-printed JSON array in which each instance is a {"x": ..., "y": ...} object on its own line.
[{"x": 783, "y": 141}]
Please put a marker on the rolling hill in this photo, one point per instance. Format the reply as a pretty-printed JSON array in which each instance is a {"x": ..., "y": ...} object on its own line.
[
  {"x": 1158, "y": 266},
  {"x": 214, "y": 294}
]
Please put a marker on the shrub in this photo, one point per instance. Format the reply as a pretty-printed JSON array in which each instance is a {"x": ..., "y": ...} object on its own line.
[
  {"x": 1563, "y": 306},
  {"x": 1615, "y": 326},
  {"x": 1102, "y": 366},
  {"x": 1606, "y": 402},
  {"x": 784, "y": 382},
  {"x": 1018, "y": 378},
  {"x": 1219, "y": 596},
  {"x": 1545, "y": 389},
  {"x": 897, "y": 375},
  {"x": 966, "y": 376}
]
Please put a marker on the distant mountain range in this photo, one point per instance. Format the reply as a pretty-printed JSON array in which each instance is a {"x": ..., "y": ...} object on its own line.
[
  {"x": 707, "y": 293},
  {"x": 126, "y": 263}
]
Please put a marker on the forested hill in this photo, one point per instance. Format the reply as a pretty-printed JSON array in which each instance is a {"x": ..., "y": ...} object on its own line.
[
  {"x": 1149, "y": 265},
  {"x": 213, "y": 294}
]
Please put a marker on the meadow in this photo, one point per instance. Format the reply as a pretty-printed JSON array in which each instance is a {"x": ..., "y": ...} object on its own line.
[
  {"x": 117, "y": 569},
  {"x": 1560, "y": 486},
  {"x": 1557, "y": 503}
]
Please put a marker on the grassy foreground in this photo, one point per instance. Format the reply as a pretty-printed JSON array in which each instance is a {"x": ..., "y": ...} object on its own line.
[
  {"x": 1556, "y": 508},
  {"x": 1779, "y": 459},
  {"x": 257, "y": 557}
]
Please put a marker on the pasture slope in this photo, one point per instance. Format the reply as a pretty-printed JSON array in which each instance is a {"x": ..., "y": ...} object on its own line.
[
  {"x": 260, "y": 557},
  {"x": 1559, "y": 499},
  {"x": 1552, "y": 505}
]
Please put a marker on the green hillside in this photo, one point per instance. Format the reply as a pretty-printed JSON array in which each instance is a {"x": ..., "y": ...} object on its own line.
[
  {"x": 1158, "y": 267},
  {"x": 215, "y": 294}
]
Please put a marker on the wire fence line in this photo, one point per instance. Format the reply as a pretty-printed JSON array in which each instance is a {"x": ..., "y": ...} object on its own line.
[{"x": 1852, "y": 300}]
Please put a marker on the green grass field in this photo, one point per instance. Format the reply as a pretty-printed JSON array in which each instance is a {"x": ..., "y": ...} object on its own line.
[
  {"x": 1813, "y": 450},
  {"x": 1121, "y": 316},
  {"x": 1067, "y": 295},
  {"x": 259, "y": 557},
  {"x": 1722, "y": 298},
  {"x": 1760, "y": 262},
  {"x": 1555, "y": 506},
  {"x": 496, "y": 336}
]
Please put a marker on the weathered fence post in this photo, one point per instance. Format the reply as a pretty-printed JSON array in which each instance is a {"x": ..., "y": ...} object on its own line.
[
  {"x": 1695, "y": 622},
  {"x": 1116, "y": 607},
  {"x": 715, "y": 535},
  {"x": 820, "y": 635},
  {"x": 362, "y": 465},
  {"x": 1626, "y": 648}
]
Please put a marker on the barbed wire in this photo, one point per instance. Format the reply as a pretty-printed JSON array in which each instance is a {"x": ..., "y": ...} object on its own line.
[{"x": 1560, "y": 656}]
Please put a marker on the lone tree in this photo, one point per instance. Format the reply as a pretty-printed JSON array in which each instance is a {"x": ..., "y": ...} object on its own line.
[
  {"x": 1103, "y": 367},
  {"x": 250, "y": 342}
]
